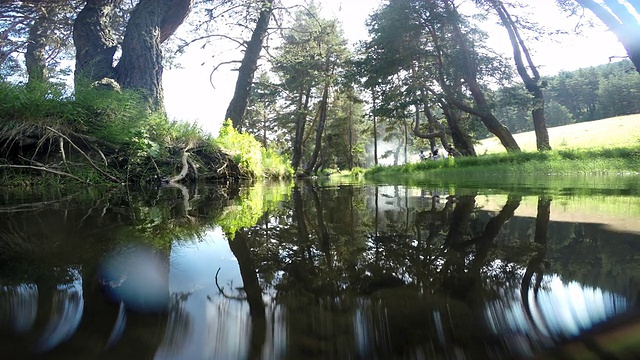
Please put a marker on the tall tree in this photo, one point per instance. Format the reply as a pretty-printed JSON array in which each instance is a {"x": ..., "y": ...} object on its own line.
[
  {"x": 40, "y": 35},
  {"x": 238, "y": 105},
  {"x": 42, "y": 32},
  {"x": 306, "y": 64},
  {"x": 469, "y": 73},
  {"x": 531, "y": 80},
  {"x": 427, "y": 50},
  {"x": 332, "y": 47}
]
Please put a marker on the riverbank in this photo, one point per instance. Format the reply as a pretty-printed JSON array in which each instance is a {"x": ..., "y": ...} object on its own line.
[
  {"x": 48, "y": 138},
  {"x": 619, "y": 160}
]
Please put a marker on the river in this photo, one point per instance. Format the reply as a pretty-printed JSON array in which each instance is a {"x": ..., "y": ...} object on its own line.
[{"x": 459, "y": 269}]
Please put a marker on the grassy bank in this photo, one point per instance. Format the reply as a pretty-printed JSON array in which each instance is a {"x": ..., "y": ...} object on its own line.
[
  {"x": 48, "y": 137},
  {"x": 608, "y": 146},
  {"x": 620, "y": 160},
  {"x": 620, "y": 131}
]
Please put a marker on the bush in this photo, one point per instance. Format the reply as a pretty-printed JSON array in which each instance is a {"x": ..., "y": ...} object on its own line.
[{"x": 250, "y": 155}]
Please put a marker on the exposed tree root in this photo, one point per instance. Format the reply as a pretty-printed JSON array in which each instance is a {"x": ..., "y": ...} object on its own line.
[
  {"x": 81, "y": 157},
  {"x": 93, "y": 165}
]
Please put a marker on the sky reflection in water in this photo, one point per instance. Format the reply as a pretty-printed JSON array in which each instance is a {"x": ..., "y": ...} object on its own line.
[{"x": 362, "y": 284}]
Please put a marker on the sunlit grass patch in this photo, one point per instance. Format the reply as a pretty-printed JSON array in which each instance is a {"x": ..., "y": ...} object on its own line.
[
  {"x": 616, "y": 132},
  {"x": 557, "y": 162}
]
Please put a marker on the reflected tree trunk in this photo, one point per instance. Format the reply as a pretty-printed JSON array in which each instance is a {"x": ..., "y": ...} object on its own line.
[
  {"x": 491, "y": 231},
  {"x": 325, "y": 239},
  {"x": 241, "y": 250},
  {"x": 535, "y": 265},
  {"x": 453, "y": 268}
]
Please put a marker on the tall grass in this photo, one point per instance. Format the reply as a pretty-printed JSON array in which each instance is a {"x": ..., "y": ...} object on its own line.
[
  {"x": 122, "y": 119},
  {"x": 112, "y": 116}
]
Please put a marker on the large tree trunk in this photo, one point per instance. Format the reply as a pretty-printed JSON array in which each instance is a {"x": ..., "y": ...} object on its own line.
[
  {"x": 39, "y": 37},
  {"x": 140, "y": 67},
  {"x": 433, "y": 124},
  {"x": 461, "y": 140},
  {"x": 530, "y": 82},
  {"x": 94, "y": 42},
  {"x": 350, "y": 136},
  {"x": 238, "y": 105},
  {"x": 375, "y": 128}
]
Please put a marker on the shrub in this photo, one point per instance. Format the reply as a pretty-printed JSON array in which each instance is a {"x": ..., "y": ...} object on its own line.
[{"x": 243, "y": 147}]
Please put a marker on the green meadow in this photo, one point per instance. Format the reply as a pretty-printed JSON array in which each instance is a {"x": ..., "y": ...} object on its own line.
[
  {"x": 620, "y": 131},
  {"x": 608, "y": 146}
]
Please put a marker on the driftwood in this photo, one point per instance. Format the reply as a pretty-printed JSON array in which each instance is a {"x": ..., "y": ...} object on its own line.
[{"x": 185, "y": 167}]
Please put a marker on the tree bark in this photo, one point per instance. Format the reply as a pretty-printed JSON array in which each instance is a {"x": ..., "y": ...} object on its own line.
[
  {"x": 301, "y": 120},
  {"x": 140, "y": 67},
  {"x": 174, "y": 17},
  {"x": 39, "y": 37},
  {"x": 432, "y": 134},
  {"x": 94, "y": 42},
  {"x": 461, "y": 140},
  {"x": 375, "y": 128},
  {"x": 238, "y": 105}
]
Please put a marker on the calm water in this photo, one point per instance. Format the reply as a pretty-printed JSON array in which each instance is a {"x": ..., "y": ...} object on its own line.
[{"x": 320, "y": 270}]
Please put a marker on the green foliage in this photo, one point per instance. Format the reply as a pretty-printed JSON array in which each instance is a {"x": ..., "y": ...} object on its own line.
[
  {"x": 249, "y": 206},
  {"x": 248, "y": 153},
  {"x": 243, "y": 147},
  {"x": 596, "y": 92},
  {"x": 275, "y": 166},
  {"x": 112, "y": 116},
  {"x": 557, "y": 114}
]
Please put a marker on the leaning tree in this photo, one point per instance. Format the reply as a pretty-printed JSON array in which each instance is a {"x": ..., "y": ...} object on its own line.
[{"x": 618, "y": 16}]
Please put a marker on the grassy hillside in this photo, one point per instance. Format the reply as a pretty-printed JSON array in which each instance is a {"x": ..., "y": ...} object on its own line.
[{"x": 619, "y": 131}]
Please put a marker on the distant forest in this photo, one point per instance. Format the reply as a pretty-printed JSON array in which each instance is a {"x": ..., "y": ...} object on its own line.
[{"x": 574, "y": 96}]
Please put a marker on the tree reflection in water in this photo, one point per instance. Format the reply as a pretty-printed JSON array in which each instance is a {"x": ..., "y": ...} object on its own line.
[{"x": 363, "y": 272}]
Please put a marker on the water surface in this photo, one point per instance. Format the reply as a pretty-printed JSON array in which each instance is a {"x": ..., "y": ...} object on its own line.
[{"x": 324, "y": 270}]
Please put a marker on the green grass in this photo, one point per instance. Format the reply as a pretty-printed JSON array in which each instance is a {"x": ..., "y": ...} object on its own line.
[
  {"x": 608, "y": 146},
  {"x": 621, "y": 131},
  {"x": 117, "y": 125}
]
